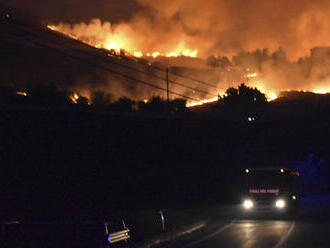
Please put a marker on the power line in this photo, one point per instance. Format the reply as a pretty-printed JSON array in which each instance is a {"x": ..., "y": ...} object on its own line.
[
  {"x": 176, "y": 74},
  {"x": 155, "y": 67},
  {"x": 112, "y": 71},
  {"x": 144, "y": 72},
  {"x": 163, "y": 79}
]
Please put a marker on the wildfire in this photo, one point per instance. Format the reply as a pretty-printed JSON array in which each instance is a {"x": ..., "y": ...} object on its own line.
[
  {"x": 201, "y": 102},
  {"x": 121, "y": 38},
  {"x": 321, "y": 90},
  {"x": 51, "y": 27},
  {"x": 251, "y": 75},
  {"x": 271, "y": 96},
  {"x": 117, "y": 42},
  {"x": 74, "y": 98},
  {"x": 254, "y": 81},
  {"x": 21, "y": 93}
]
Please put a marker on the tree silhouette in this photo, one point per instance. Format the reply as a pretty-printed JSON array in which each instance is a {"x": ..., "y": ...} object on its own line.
[
  {"x": 101, "y": 99},
  {"x": 243, "y": 101},
  {"x": 178, "y": 105},
  {"x": 48, "y": 95},
  {"x": 218, "y": 61},
  {"x": 156, "y": 104},
  {"x": 124, "y": 104},
  {"x": 159, "y": 105}
]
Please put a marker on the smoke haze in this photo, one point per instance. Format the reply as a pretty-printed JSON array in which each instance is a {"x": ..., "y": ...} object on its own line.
[{"x": 271, "y": 38}]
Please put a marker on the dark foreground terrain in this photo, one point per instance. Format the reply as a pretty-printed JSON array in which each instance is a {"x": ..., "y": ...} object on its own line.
[
  {"x": 308, "y": 229},
  {"x": 91, "y": 165},
  {"x": 223, "y": 226}
]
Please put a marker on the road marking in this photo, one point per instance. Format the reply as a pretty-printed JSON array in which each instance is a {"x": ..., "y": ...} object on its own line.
[
  {"x": 285, "y": 237},
  {"x": 210, "y": 235}
]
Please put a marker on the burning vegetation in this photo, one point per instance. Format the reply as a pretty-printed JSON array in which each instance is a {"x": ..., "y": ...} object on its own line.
[
  {"x": 119, "y": 40},
  {"x": 270, "y": 72},
  {"x": 165, "y": 49}
]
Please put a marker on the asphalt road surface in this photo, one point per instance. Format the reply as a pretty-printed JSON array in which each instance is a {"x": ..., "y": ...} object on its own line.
[
  {"x": 265, "y": 234},
  {"x": 311, "y": 229}
]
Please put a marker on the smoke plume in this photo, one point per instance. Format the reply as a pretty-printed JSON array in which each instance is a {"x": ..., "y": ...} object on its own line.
[{"x": 218, "y": 27}]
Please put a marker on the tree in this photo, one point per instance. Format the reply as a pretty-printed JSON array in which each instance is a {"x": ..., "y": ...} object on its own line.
[
  {"x": 101, "y": 99},
  {"x": 156, "y": 104},
  {"x": 244, "y": 94},
  {"x": 159, "y": 105},
  {"x": 48, "y": 95},
  {"x": 218, "y": 61},
  {"x": 124, "y": 104},
  {"x": 243, "y": 101},
  {"x": 178, "y": 105}
]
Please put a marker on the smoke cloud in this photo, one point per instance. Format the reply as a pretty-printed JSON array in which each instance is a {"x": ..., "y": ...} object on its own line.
[
  {"x": 219, "y": 27},
  {"x": 225, "y": 27}
]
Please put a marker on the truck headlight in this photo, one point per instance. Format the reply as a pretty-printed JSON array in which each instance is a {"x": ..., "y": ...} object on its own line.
[
  {"x": 248, "y": 204},
  {"x": 280, "y": 203}
]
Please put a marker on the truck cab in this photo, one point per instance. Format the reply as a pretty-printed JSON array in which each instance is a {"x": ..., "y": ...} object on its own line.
[{"x": 270, "y": 189}]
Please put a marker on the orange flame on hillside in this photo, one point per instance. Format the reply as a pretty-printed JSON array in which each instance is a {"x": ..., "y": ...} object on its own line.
[
  {"x": 201, "y": 102},
  {"x": 122, "y": 39},
  {"x": 117, "y": 42}
]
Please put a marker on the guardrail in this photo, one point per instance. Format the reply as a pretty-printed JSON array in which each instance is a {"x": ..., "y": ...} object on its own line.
[
  {"x": 118, "y": 236},
  {"x": 122, "y": 235}
]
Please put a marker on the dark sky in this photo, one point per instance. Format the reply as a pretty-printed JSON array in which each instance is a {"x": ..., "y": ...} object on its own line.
[{"x": 76, "y": 10}]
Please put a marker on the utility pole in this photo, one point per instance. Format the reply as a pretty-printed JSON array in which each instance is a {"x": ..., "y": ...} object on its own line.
[{"x": 167, "y": 85}]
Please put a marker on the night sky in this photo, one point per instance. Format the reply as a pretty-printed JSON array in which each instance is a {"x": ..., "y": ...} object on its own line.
[{"x": 76, "y": 10}]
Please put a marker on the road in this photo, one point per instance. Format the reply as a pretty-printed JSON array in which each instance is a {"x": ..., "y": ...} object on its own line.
[
  {"x": 311, "y": 229},
  {"x": 265, "y": 234}
]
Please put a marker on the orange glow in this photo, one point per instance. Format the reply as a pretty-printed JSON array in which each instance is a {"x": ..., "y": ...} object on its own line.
[
  {"x": 271, "y": 96},
  {"x": 51, "y": 27},
  {"x": 155, "y": 54},
  {"x": 261, "y": 85},
  {"x": 21, "y": 93},
  {"x": 138, "y": 54},
  {"x": 74, "y": 98},
  {"x": 251, "y": 75},
  {"x": 201, "y": 102},
  {"x": 118, "y": 40},
  {"x": 321, "y": 90},
  {"x": 123, "y": 38}
]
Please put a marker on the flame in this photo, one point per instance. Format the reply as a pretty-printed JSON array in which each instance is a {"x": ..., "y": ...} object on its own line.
[
  {"x": 51, "y": 27},
  {"x": 21, "y": 93},
  {"x": 118, "y": 41},
  {"x": 251, "y": 75},
  {"x": 271, "y": 96},
  {"x": 155, "y": 54},
  {"x": 321, "y": 90},
  {"x": 74, "y": 98},
  {"x": 201, "y": 102},
  {"x": 260, "y": 84},
  {"x": 138, "y": 54}
]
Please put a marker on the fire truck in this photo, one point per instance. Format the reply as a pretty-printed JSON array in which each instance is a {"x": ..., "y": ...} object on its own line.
[{"x": 270, "y": 189}]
